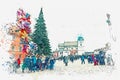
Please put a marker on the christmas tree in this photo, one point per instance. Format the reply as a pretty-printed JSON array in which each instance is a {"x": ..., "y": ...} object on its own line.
[{"x": 40, "y": 36}]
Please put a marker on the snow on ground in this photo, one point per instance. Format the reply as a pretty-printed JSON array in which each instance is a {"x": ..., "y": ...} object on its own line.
[{"x": 74, "y": 71}]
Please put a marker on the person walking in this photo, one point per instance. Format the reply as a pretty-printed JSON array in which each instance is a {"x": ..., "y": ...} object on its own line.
[
  {"x": 82, "y": 59},
  {"x": 65, "y": 60},
  {"x": 52, "y": 62},
  {"x": 18, "y": 62}
]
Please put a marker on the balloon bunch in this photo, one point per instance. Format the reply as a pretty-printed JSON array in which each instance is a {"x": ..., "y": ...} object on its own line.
[
  {"x": 22, "y": 30},
  {"x": 23, "y": 23}
]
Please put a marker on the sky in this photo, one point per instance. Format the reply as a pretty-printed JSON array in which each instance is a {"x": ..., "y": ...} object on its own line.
[{"x": 66, "y": 19}]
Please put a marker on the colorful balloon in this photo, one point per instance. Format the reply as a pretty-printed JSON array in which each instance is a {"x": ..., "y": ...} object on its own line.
[{"x": 27, "y": 15}]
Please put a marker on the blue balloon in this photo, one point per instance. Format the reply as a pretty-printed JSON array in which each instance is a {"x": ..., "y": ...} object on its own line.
[
  {"x": 27, "y": 15},
  {"x": 31, "y": 45}
]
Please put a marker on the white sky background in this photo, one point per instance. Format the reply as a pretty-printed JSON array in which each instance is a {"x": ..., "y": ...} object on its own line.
[{"x": 65, "y": 19}]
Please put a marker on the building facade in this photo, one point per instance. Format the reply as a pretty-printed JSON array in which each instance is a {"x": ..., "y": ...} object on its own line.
[
  {"x": 72, "y": 47},
  {"x": 80, "y": 44}
]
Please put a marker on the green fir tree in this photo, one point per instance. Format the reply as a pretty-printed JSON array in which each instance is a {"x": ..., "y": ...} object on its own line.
[{"x": 40, "y": 36}]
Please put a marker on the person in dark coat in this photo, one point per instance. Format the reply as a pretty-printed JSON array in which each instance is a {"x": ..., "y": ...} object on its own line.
[
  {"x": 26, "y": 63},
  {"x": 43, "y": 64},
  {"x": 88, "y": 58},
  {"x": 34, "y": 67},
  {"x": 65, "y": 60},
  {"x": 52, "y": 62},
  {"x": 31, "y": 67},
  {"x": 82, "y": 59},
  {"x": 46, "y": 62},
  {"x": 72, "y": 58},
  {"x": 39, "y": 63},
  {"x": 102, "y": 58}
]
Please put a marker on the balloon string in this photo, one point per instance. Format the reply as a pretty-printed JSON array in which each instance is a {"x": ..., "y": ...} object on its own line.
[{"x": 112, "y": 35}]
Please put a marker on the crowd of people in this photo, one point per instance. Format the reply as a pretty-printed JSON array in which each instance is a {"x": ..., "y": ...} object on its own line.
[
  {"x": 95, "y": 59},
  {"x": 33, "y": 63}
]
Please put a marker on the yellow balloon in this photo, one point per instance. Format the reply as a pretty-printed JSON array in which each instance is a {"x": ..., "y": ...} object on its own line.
[{"x": 23, "y": 34}]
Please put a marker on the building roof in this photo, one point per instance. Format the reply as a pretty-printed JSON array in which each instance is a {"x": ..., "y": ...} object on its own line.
[
  {"x": 68, "y": 44},
  {"x": 80, "y": 38}
]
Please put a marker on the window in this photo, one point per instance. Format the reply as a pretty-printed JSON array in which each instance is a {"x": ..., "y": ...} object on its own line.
[{"x": 80, "y": 44}]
